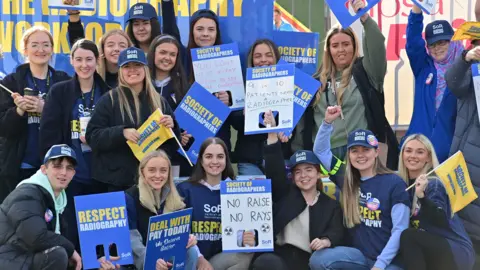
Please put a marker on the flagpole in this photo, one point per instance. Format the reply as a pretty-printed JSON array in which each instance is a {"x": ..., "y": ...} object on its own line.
[
  {"x": 180, "y": 145},
  {"x": 6, "y": 89},
  {"x": 412, "y": 185}
]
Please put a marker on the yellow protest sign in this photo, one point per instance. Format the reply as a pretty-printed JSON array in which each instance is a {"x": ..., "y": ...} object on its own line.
[
  {"x": 468, "y": 30},
  {"x": 152, "y": 135},
  {"x": 454, "y": 175}
]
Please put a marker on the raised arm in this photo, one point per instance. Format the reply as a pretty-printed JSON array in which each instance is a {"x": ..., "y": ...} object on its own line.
[
  {"x": 75, "y": 27},
  {"x": 415, "y": 46},
  {"x": 169, "y": 20}
]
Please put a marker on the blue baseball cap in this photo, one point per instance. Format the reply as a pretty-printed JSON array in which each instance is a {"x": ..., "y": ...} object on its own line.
[
  {"x": 303, "y": 156},
  {"x": 58, "y": 151},
  {"x": 132, "y": 54},
  {"x": 438, "y": 30},
  {"x": 362, "y": 137},
  {"x": 142, "y": 11}
]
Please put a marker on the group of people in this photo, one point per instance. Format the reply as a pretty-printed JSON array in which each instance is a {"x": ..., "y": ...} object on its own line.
[{"x": 65, "y": 137}]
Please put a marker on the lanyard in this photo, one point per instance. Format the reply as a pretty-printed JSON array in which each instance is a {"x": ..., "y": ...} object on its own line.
[
  {"x": 35, "y": 83},
  {"x": 88, "y": 109}
]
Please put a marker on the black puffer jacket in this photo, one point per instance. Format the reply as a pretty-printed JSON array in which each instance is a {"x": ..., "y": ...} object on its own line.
[{"x": 24, "y": 230}]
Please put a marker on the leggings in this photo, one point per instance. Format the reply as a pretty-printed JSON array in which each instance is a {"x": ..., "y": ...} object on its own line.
[{"x": 422, "y": 250}]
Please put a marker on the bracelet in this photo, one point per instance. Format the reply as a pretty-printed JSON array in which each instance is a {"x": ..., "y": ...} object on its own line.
[{"x": 326, "y": 122}]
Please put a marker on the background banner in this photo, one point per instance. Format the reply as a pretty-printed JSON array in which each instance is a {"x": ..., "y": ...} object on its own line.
[{"x": 237, "y": 24}]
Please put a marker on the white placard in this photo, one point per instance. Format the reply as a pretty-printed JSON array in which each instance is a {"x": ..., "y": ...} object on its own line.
[
  {"x": 247, "y": 209},
  {"x": 269, "y": 88},
  {"x": 72, "y": 4},
  {"x": 476, "y": 85},
  {"x": 218, "y": 68},
  {"x": 428, "y": 6}
]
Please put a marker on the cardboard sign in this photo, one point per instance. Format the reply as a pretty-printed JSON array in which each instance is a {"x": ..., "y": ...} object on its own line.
[
  {"x": 167, "y": 239},
  {"x": 202, "y": 115},
  {"x": 344, "y": 12},
  {"x": 103, "y": 229},
  {"x": 247, "y": 210},
  {"x": 468, "y": 30},
  {"x": 72, "y": 4},
  {"x": 152, "y": 135},
  {"x": 269, "y": 88},
  {"x": 305, "y": 89},
  {"x": 299, "y": 48},
  {"x": 428, "y": 6},
  {"x": 218, "y": 68}
]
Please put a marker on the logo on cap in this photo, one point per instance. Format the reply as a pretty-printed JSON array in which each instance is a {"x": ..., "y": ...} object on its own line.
[
  {"x": 301, "y": 156},
  {"x": 438, "y": 29},
  {"x": 138, "y": 10},
  {"x": 66, "y": 151},
  {"x": 372, "y": 140},
  {"x": 359, "y": 136},
  {"x": 132, "y": 54}
]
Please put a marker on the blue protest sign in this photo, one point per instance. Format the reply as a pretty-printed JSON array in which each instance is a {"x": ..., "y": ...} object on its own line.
[
  {"x": 167, "y": 239},
  {"x": 299, "y": 48},
  {"x": 344, "y": 13},
  {"x": 269, "y": 88},
  {"x": 305, "y": 89},
  {"x": 201, "y": 114},
  {"x": 247, "y": 209},
  {"x": 428, "y": 6},
  {"x": 218, "y": 68},
  {"x": 240, "y": 21},
  {"x": 103, "y": 229}
]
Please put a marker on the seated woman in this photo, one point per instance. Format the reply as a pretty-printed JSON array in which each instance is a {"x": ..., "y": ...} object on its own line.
[
  {"x": 154, "y": 195},
  {"x": 437, "y": 238},
  {"x": 375, "y": 203},
  {"x": 304, "y": 218}
]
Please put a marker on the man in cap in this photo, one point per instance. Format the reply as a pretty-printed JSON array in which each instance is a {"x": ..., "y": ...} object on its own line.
[{"x": 30, "y": 226}]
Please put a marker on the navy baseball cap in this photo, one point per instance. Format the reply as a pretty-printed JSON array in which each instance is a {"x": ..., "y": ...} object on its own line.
[
  {"x": 362, "y": 137},
  {"x": 204, "y": 13},
  {"x": 58, "y": 151},
  {"x": 438, "y": 30},
  {"x": 142, "y": 11},
  {"x": 303, "y": 156},
  {"x": 132, "y": 54}
]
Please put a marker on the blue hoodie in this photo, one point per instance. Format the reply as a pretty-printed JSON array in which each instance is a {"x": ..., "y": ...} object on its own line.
[{"x": 439, "y": 125}]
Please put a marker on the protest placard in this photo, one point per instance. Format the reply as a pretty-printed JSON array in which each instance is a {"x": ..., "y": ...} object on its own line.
[
  {"x": 218, "y": 68},
  {"x": 305, "y": 89},
  {"x": 269, "y": 88},
  {"x": 299, "y": 48},
  {"x": 428, "y": 6},
  {"x": 202, "y": 115},
  {"x": 72, "y": 4},
  {"x": 152, "y": 135},
  {"x": 103, "y": 229},
  {"x": 344, "y": 13},
  {"x": 468, "y": 30},
  {"x": 246, "y": 210},
  {"x": 167, "y": 239}
]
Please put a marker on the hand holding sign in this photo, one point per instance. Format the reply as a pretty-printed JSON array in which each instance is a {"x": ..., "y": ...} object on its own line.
[
  {"x": 473, "y": 54},
  {"x": 131, "y": 134},
  {"x": 223, "y": 97},
  {"x": 192, "y": 241},
  {"x": 358, "y": 5},
  {"x": 420, "y": 185},
  {"x": 20, "y": 102},
  {"x": 162, "y": 265},
  {"x": 167, "y": 121},
  {"x": 332, "y": 113}
]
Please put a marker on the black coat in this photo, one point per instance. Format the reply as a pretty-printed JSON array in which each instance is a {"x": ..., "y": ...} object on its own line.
[
  {"x": 24, "y": 230},
  {"x": 113, "y": 161},
  {"x": 56, "y": 121},
  {"x": 13, "y": 127}
]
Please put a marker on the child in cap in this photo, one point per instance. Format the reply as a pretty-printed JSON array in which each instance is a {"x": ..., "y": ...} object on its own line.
[
  {"x": 30, "y": 234},
  {"x": 305, "y": 219},
  {"x": 376, "y": 206}
]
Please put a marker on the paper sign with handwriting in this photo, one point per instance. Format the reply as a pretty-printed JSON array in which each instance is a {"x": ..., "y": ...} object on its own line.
[
  {"x": 247, "y": 218},
  {"x": 269, "y": 88},
  {"x": 218, "y": 68},
  {"x": 72, "y": 4}
]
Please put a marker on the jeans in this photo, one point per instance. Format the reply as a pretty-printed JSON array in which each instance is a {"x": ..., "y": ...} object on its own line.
[
  {"x": 192, "y": 259},
  {"x": 249, "y": 169},
  {"x": 343, "y": 258}
]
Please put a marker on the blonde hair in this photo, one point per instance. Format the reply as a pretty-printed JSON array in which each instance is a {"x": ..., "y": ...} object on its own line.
[
  {"x": 327, "y": 69},
  {"x": 150, "y": 198},
  {"x": 154, "y": 98},
  {"x": 432, "y": 163},
  {"x": 32, "y": 30},
  {"x": 102, "y": 66},
  {"x": 351, "y": 190}
]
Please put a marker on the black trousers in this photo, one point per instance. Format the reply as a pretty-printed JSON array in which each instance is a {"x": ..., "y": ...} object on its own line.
[
  {"x": 422, "y": 250},
  {"x": 51, "y": 259},
  {"x": 284, "y": 257}
]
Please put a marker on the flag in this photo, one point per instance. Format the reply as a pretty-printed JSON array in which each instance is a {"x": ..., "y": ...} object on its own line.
[
  {"x": 454, "y": 175},
  {"x": 152, "y": 135}
]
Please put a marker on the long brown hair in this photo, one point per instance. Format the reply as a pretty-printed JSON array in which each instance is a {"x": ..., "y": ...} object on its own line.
[
  {"x": 327, "y": 69},
  {"x": 154, "y": 98},
  {"x": 199, "y": 173},
  {"x": 150, "y": 198},
  {"x": 351, "y": 190},
  {"x": 273, "y": 47}
]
